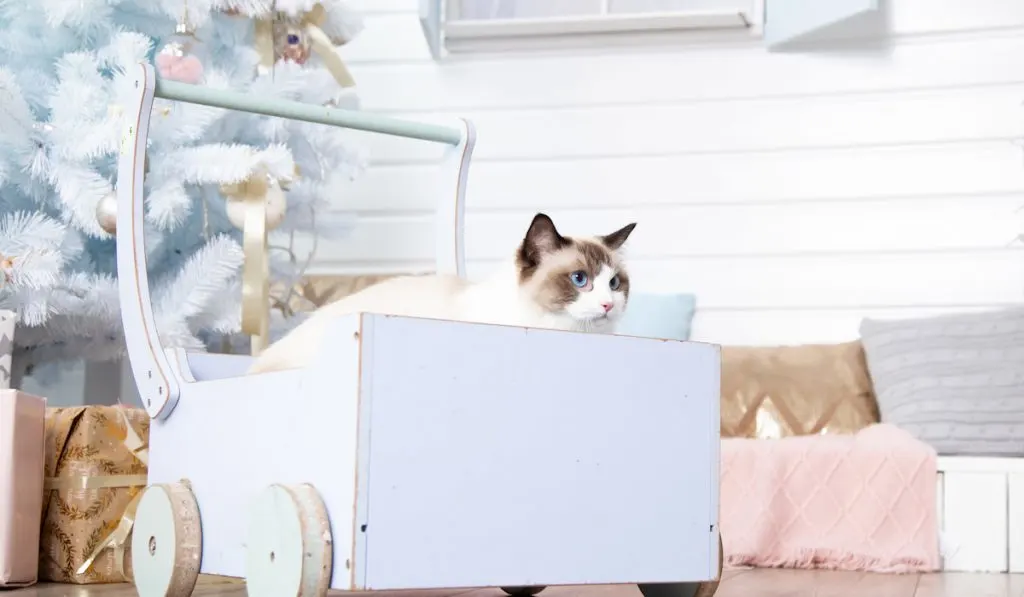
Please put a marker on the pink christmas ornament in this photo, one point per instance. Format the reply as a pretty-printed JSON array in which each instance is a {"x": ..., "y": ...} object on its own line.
[
  {"x": 187, "y": 68},
  {"x": 181, "y": 58}
]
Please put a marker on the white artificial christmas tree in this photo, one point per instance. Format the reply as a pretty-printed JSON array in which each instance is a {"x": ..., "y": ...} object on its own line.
[{"x": 64, "y": 64}]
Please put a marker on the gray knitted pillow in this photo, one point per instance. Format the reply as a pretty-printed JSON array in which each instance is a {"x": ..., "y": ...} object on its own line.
[{"x": 953, "y": 381}]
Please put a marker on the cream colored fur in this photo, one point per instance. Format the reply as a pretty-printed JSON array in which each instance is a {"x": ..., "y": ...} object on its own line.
[
  {"x": 502, "y": 298},
  {"x": 497, "y": 299}
]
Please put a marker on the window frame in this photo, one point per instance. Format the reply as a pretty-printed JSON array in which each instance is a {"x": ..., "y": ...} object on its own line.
[
  {"x": 778, "y": 25},
  {"x": 456, "y": 36}
]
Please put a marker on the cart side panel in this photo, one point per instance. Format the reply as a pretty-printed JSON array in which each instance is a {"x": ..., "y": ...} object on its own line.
[{"x": 506, "y": 456}]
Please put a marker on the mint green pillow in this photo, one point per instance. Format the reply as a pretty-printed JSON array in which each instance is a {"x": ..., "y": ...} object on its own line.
[{"x": 658, "y": 316}]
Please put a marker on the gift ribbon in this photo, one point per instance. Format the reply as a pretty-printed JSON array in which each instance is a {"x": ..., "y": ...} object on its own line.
[
  {"x": 255, "y": 274},
  {"x": 93, "y": 482},
  {"x": 320, "y": 43},
  {"x": 252, "y": 192},
  {"x": 264, "y": 37},
  {"x": 118, "y": 539}
]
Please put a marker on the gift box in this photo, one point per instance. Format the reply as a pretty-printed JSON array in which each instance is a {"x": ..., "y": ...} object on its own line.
[
  {"x": 96, "y": 464},
  {"x": 21, "y": 485}
]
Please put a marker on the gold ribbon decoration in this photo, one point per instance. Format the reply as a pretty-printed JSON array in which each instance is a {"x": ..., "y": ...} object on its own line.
[
  {"x": 264, "y": 39},
  {"x": 256, "y": 276},
  {"x": 311, "y": 25},
  {"x": 133, "y": 442},
  {"x": 118, "y": 538},
  {"x": 251, "y": 193},
  {"x": 323, "y": 46},
  {"x": 93, "y": 482}
]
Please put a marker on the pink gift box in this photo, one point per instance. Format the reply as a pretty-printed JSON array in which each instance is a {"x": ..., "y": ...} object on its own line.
[{"x": 22, "y": 432}]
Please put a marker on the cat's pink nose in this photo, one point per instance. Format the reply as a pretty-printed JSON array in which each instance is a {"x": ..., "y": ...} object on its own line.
[{"x": 607, "y": 307}]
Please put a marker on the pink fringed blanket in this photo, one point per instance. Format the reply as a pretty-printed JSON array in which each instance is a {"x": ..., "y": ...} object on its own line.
[{"x": 862, "y": 502}]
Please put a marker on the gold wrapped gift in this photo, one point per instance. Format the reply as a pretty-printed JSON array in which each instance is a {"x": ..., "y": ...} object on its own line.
[{"x": 96, "y": 465}]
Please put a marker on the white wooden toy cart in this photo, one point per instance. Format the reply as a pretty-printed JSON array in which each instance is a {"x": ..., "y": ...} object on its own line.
[{"x": 416, "y": 453}]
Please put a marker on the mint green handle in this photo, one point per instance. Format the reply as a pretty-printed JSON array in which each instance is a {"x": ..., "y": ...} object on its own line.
[{"x": 352, "y": 119}]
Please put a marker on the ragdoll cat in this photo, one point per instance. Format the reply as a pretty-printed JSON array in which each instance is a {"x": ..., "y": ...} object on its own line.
[{"x": 553, "y": 281}]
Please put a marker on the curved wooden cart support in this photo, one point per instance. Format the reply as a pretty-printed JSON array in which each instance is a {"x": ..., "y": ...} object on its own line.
[{"x": 398, "y": 424}]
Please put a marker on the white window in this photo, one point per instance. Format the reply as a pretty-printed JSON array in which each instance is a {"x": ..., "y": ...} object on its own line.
[
  {"x": 468, "y": 25},
  {"x": 471, "y": 25},
  {"x": 594, "y": 11}
]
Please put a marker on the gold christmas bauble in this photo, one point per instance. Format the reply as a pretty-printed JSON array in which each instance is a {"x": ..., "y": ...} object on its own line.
[
  {"x": 106, "y": 213},
  {"x": 273, "y": 196}
]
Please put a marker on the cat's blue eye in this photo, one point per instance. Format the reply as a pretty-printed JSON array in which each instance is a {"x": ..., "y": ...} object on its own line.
[
  {"x": 579, "y": 278},
  {"x": 614, "y": 282}
]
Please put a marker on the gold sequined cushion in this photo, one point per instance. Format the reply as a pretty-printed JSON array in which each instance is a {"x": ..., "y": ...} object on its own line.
[{"x": 780, "y": 391}]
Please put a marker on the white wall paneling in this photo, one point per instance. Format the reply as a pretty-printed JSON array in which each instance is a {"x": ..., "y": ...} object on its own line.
[
  {"x": 980, "y": 513},
  {"x": 975, "y": 521},
  {"x": 730, "y": 126},
  {"x": 975, "y": 224},
  {"x": 577, "y": 80},
  {"x": 793, "y": 192},
  {"x": 972, "y": 171},
  {"x": 1015, "y": 525}
]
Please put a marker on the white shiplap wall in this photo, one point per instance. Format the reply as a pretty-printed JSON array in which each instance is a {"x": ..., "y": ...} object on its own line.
[{"x": 794, "y": 193}]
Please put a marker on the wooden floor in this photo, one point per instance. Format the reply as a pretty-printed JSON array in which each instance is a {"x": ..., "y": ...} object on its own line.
[{"x": 736, "y": 583}]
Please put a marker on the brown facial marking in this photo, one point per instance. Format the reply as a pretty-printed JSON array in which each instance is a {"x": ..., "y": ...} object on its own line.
[
  {"x": 542, "y": 239},
  {"x": 555, "y": 289}
]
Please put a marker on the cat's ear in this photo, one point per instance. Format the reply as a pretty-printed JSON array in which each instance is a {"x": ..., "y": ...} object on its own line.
[
  {"x": 616, "y": 239},
  {"x": 542, "y": 236}
]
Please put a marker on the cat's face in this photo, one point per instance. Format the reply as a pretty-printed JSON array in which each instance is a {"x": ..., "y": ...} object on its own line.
[{"x": 581, "y": 280}]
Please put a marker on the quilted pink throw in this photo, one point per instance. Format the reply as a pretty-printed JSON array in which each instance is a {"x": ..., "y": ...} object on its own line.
[{"x": 863, "y": 502}]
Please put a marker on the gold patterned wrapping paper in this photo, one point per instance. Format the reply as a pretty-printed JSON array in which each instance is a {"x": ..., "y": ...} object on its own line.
[
  {"x": 782, "y": 391},
  {"x": 98, "y": 466}
]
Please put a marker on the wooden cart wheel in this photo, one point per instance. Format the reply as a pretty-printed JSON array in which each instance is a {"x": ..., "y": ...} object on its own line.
[
  {"x": 167, "y": 541},
  {"x": 522, "y": 591},
  {"x": 288, "y": 549},
  {"x": 696, "y": 589}
]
